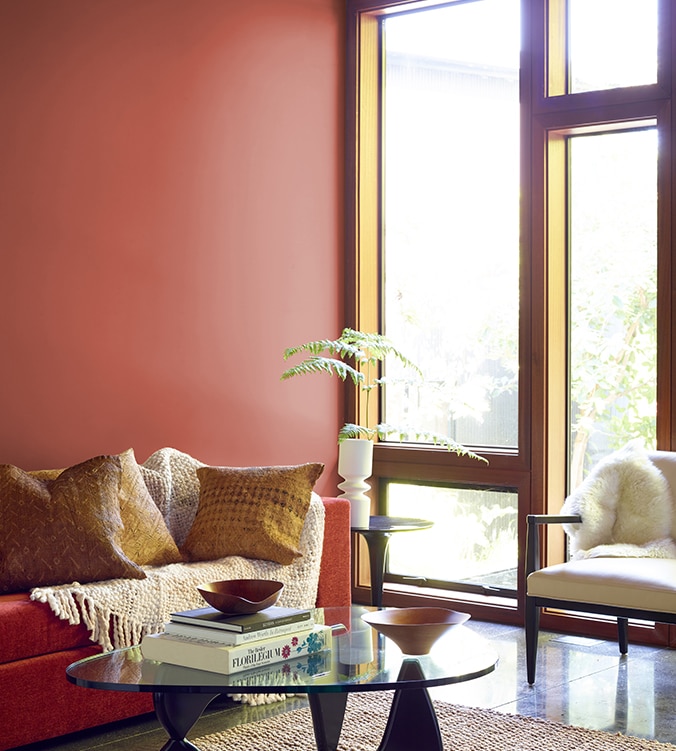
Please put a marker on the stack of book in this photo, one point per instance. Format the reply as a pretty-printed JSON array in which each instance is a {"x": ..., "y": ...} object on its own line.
[{"x": 207, "y": 639}]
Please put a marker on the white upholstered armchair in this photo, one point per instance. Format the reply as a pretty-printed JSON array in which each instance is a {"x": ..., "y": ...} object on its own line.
[{"x": 621, "y": 525}]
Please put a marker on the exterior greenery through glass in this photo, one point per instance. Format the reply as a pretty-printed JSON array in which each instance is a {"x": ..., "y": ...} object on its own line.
[{"x": 507, "y": 196}]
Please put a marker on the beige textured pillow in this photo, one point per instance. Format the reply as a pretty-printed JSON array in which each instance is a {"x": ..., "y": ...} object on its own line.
[
  {"x": 62, "y": 530},
  {"x": 171, "y": 478},
  {"x": 255, "y": 512},
  {"x": 145, "y": 538}
]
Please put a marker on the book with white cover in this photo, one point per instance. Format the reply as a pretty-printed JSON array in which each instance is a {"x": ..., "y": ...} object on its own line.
[
  {"x": 235, "y": 637},
  {"x": 205, "y": 654},
  {"x": 317, "y": 668}
]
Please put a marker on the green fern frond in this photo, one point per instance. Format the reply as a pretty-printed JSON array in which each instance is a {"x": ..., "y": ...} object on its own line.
[
  {"x": 350, "y": 430},
  {"x": 332, "y": 346},
  {"x": 377, "y": 347},
  {"x": 384, "y": 431},
  {"x": 328, "y": 365},
  {"x": 366, "y": 350},
  {"x": 362, "y": 348}
]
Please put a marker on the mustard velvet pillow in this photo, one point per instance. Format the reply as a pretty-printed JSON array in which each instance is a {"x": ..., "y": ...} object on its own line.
[
  {"x": 62, "y": 530},
  {"x": 145, "y": 538},
  {"x": 254, "y": 512}
]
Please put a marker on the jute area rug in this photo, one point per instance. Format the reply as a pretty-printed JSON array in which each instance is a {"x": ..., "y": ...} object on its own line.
[{"x": 462, "y": 729}]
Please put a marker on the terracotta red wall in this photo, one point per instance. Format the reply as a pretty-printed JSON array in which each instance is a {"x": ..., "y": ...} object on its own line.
[{"x": 170, "y": 220}]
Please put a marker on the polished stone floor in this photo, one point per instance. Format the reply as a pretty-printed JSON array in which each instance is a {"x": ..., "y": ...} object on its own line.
[{"x": 580, "y": 681}]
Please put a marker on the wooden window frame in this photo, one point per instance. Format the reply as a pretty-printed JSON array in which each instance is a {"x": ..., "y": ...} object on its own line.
[{"x": 538, "y": 468}]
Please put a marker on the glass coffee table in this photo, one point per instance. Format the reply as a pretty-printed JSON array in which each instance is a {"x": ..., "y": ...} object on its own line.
[{"x": 359, "y": 660}]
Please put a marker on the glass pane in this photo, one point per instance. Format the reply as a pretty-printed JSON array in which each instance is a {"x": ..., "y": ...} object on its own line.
[
  {"x": 473, "y": 539},
  {"x": 612, "y": 43},
  {"x": 451, "y": 218},
  {"x": 613, "y": 294}
]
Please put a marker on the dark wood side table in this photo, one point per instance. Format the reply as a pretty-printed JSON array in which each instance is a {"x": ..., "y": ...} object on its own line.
[{"x": 377, "y": 536}]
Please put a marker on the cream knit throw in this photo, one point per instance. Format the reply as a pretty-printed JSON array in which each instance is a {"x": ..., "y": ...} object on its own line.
[
  {"x": 171, "y": 478},
  {"x": 118, "y": 612}
]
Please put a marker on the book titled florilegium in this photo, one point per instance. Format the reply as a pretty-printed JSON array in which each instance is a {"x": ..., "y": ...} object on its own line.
[
  {"x": 317, "y": 668},
  {"x": 205, "y": 654},
  {"x": 235, "y": 637},
  {"x": 273, "y": 616}
]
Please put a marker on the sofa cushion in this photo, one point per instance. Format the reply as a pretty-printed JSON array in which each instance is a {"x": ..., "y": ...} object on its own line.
[
  {"x": 145, "y": 538},
  {"x": 254, "y": 512},
  {"x": 39, "y": 703},
  {"x": 117, "y": 619},
  {"x": 62, "y": 530},
  {"x": 642, "y": 583},
  {"x": 29, "y": 629}
]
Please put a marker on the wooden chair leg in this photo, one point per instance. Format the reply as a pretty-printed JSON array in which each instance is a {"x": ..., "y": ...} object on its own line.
[
  {"x": 623, "y": 634},
  {"x": 532, "y": 624}
]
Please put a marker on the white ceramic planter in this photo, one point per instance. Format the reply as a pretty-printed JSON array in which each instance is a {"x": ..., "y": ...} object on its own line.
[{"x": 355, "y": 465}]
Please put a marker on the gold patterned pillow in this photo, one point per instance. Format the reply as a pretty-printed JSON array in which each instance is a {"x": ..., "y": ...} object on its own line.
[
  {"x": 62, "y": 530},
  {"x": 255, "y": 512},
  {"x": 145, "y": 538},
  {"x": 45, "y": 474}
]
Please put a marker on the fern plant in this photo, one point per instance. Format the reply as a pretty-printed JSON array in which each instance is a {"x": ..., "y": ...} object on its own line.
[{"x": 365, "y": 351}]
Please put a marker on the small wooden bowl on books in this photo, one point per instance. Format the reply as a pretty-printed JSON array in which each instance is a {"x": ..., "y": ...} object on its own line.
[{"x": 241, "y": 595}]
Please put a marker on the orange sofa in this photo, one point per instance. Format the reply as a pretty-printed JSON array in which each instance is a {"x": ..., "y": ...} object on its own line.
[{"x": 36, "y": 700}]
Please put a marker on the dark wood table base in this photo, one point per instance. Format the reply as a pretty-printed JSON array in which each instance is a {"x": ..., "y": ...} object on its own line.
[{"x": 178, "y": 713}]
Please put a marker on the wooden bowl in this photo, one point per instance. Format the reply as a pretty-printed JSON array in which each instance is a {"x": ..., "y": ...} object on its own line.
[
  {"x": 241, "y": 595},
  {"x": 414, "y": 630}
]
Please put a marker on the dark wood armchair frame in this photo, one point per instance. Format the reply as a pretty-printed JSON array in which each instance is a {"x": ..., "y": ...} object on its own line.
[{"x": 533, "y": 604}]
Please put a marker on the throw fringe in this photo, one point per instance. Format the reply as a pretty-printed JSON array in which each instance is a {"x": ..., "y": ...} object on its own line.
[{"x": 119, "y": 612}]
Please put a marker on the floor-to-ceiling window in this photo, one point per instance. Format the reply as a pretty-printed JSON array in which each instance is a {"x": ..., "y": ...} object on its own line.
[
  {"x": 509, "y": 225},
  {"x": 450, "y": 151},
  {"x": 612, "y": 279}
]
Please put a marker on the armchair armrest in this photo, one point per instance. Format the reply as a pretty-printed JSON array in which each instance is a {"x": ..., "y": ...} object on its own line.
[{"x": 533, "y": 521}]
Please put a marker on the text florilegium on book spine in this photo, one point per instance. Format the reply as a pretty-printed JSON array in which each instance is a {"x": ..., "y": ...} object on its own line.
[
  {"x": 257, "y": 655},
  {"x": 264, "y": 653}
]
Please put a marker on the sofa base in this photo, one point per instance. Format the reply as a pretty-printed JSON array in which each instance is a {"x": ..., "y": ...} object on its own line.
[{"x": 38, "y": 702}]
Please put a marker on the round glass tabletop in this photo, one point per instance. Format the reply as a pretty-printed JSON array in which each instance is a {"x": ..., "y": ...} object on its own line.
[{"x": 359, "y": 659}]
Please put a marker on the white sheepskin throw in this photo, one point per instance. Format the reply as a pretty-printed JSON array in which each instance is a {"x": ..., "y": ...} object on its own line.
[{"x": 626, "y": 507}]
